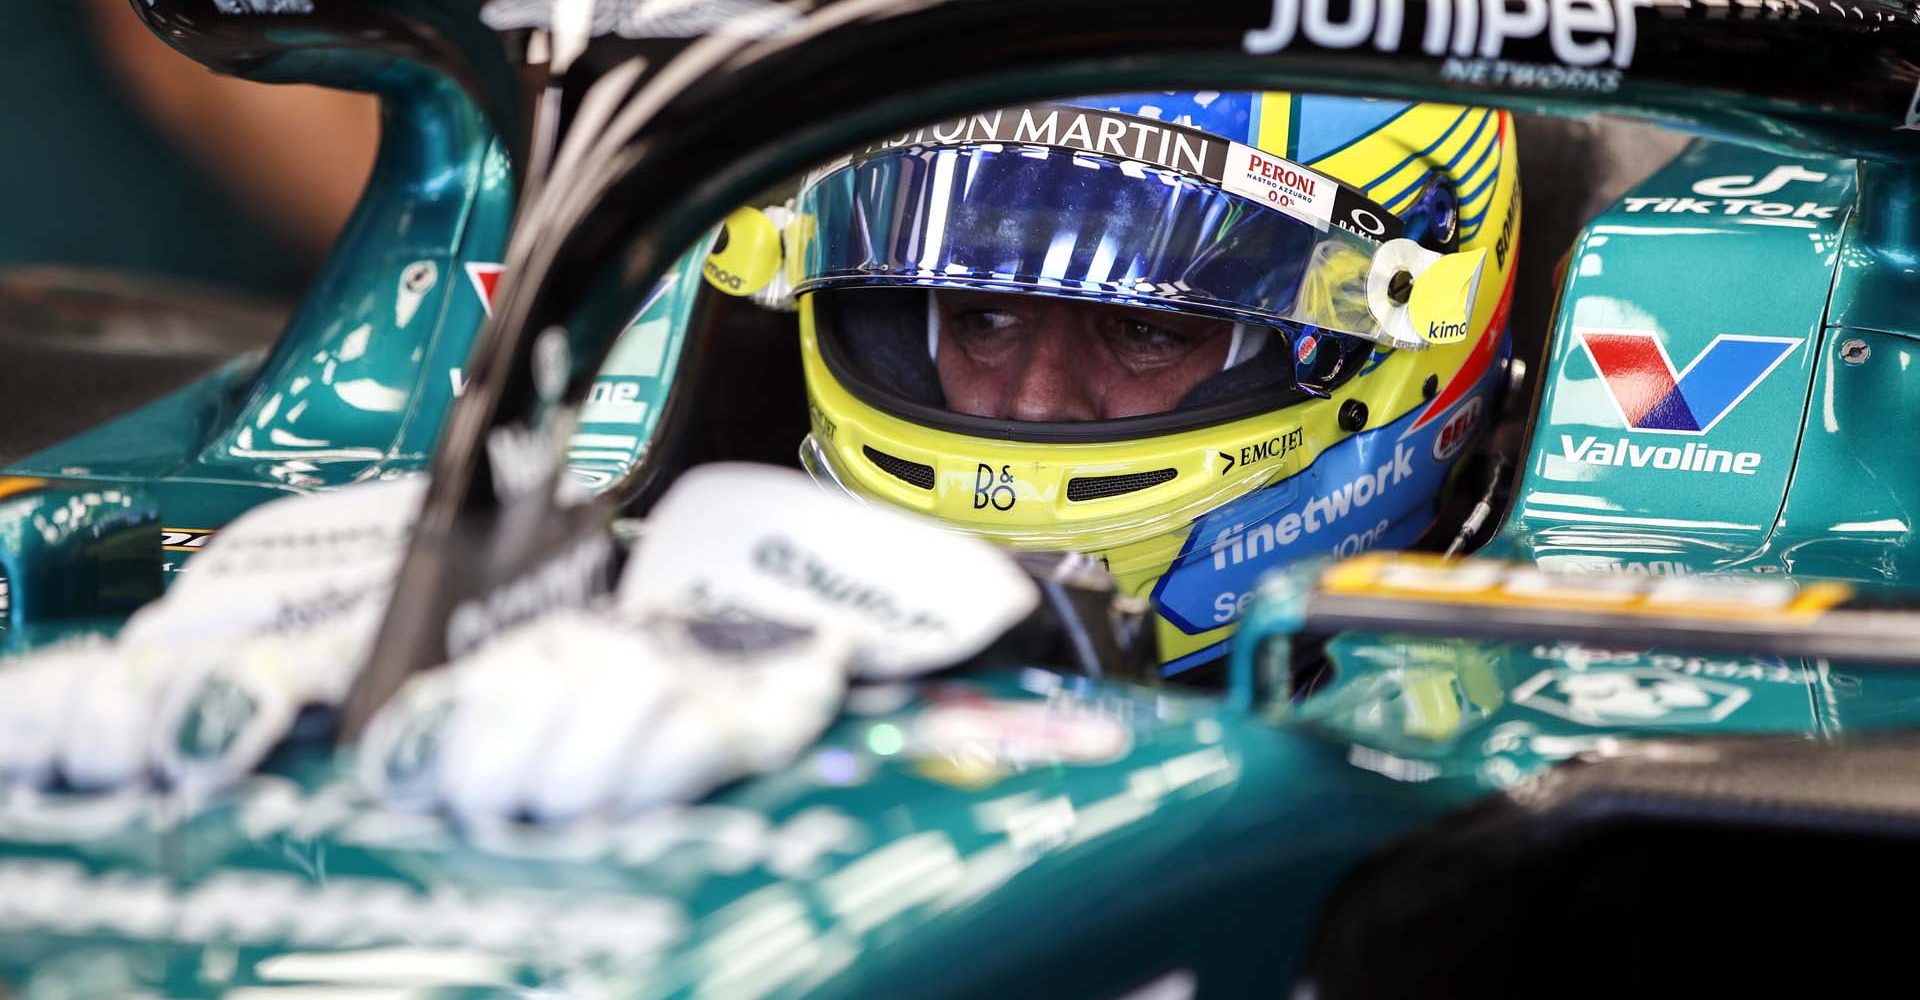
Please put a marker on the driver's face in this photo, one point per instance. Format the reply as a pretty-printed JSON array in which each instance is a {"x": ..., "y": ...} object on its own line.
[{"x": 1032, "y": 357}]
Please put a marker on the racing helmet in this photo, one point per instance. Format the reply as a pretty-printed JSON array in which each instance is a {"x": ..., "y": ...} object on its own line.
[{"x": 1196, "y": 335}]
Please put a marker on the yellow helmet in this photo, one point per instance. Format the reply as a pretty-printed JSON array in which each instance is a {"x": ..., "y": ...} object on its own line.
[{"x": 1193, "y": 334}]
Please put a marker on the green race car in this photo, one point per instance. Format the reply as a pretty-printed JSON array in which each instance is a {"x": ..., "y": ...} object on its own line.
[{"x": 1654, "y": 715}]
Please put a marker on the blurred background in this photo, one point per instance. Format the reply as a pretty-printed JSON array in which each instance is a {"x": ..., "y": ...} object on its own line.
[
  {"x": 158, "y": 220},
  {"x": 129, "y": 155}
]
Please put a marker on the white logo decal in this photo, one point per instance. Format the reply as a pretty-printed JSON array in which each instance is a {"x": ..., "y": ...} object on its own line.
[
  {"x": 1580, "y": 32},
  {"x": 416, "y": 280},
  {"x": 767, "y": 543},
  {"x": 1743, "y": 185},
  {"x": 1732, "y": 206},
  {"x": 651, "y": 18},
  {"x": 1631, "y": 696},
  {"x": 264, "y": 6},
  {"x": 1622, "y": 453},
  {"x": 1235, "y": 546},
  {"x": 1454, "y": 433},
  {"x": 272, "y": 908}
]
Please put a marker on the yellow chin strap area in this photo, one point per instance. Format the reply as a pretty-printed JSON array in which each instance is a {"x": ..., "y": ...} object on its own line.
[{"x": 1129, "y": 501}]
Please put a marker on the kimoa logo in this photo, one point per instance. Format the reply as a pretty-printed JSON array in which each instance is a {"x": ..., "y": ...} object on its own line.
[
  {"x": 1236, "y": 545},
  {"x": 1446, "y": 333},
  {"x": 1579, "y": 32},
  {"x": 1651, "y": 397}
]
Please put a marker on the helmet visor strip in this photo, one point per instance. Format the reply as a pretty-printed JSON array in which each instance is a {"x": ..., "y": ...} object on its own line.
[{"x": 1073, "y": 202}]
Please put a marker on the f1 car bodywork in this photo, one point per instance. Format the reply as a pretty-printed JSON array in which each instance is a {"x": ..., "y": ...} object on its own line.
[{"x": 1728, "y": 346}]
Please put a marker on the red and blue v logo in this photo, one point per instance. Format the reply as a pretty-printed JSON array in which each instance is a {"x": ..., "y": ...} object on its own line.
[{"x": 1651, "y": 397}]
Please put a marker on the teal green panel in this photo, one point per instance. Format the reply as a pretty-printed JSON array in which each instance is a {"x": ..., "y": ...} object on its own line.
[
  {"x": 349, "y": 369},
  {"x": 1849, "y": 510},
  {"x": 1724, "y": 244},
  {"x": 623, "y": 406}
]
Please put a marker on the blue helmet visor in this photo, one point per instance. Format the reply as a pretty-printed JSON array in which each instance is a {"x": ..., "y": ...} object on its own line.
[{"x": 1148, "y": 218}]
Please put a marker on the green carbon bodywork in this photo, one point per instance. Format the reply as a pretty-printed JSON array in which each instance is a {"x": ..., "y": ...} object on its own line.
[
  {"x": 1196, "y": 849},
  {"x": 877, "y": 865}
]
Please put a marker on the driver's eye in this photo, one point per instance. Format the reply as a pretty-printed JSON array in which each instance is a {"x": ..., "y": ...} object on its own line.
[
  {"x": 1138, "y": 342},
  {"x": 986, "y": 336},
  {"x": 985, "y": 321}
]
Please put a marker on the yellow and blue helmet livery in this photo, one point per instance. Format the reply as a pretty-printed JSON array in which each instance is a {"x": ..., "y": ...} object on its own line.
[{"x": 1194, "y": 334}]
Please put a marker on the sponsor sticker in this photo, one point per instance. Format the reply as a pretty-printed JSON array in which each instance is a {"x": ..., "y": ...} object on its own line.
[
  {"x": 1596, "y": 33},
  {"x": 1441, "y": 308},
  {"x": 184, "y": 539},
  {"x": 1519, "y": 585},
  {"x": 1457, "y": 430},
  {"x": 1281, "y": 185},
  {"x": 1622, "y": 452},
  {"x": 1269, "y": 180},
  {"x": 973, "y": 743},
  {"x": 486, "y": 279},
  {"x": 1740, "y": 197},
  {"x": 1632, "y": 696},
  {"x": 1650, "y": 396},
  {"x": 1087, "y": 130},
  {"x": 1357, "y": 495}
]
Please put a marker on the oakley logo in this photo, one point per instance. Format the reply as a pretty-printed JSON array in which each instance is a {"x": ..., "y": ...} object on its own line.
[{"x": 1641, "y": 381}]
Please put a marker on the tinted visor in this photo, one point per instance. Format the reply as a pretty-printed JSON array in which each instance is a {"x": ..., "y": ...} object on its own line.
[
  {"x": 1211, "y": 227},
  {"x": 1066, "y": 370},
  {"x": 1035, "y": 284}
]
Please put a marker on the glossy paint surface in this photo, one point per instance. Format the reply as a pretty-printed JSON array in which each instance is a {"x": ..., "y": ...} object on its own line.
[
  {"x": 890, "y": 859},
  {"x": 1682, "y": 358},
  {"x": 1124, "y": 837}
]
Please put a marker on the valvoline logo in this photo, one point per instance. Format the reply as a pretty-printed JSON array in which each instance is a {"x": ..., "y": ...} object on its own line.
[{"x": 1651, "y": 397}]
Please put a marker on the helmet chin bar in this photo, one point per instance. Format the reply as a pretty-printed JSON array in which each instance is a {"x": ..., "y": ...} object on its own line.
[
  {"x": 819, "y": 464},
  {"x": 1105, "y": 631},
  {"x": 676, "y": 155}
]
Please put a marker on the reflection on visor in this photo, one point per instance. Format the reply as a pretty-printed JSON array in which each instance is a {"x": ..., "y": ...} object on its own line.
[
  {"x": 1017, "y": 217},
  {"x": 1038, "y": 365}
]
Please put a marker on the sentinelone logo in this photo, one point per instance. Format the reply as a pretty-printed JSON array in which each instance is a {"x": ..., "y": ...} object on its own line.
[{"x": 1651, "y": 397}]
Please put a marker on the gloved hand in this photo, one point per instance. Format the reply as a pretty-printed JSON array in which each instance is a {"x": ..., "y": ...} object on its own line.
[
  {"x": 276, "y": 613},
  {"x": 579, "y": 711},
  {"x": 571, "y": 713},
  {"x": 682, "y": 686}
]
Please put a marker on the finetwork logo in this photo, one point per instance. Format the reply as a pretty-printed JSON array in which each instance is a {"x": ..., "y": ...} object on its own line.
[{"x": 1651, "y": 397}]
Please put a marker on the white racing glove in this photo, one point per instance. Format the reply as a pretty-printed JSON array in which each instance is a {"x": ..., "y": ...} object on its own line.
[
  {"x": 275, "y": 614},
  {"x": 582, "y": 713},
  {"x": 578, "y": 712}
]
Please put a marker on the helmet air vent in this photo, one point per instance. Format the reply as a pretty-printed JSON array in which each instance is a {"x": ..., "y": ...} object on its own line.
[
  {"x": 1101, "y": 487},
  {"x": 899, "y": 468}
]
